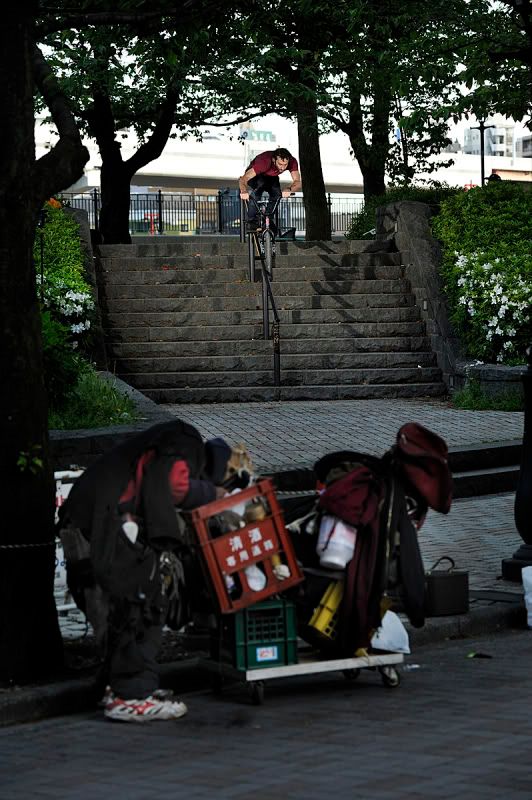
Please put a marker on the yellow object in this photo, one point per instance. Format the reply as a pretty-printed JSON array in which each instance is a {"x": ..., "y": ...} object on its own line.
[
  {"x": 325, "y": 617},
  {"x": 276, "y": 560}
]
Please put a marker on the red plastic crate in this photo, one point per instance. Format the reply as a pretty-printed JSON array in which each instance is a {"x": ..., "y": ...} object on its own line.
[{"x": 231, "y": 553}]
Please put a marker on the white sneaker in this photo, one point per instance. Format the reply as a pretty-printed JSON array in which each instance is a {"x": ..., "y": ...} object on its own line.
[{"x": 143, "y": 710}]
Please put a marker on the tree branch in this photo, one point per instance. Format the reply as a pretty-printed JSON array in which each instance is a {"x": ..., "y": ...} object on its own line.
[{"x": 63, "y": 165}]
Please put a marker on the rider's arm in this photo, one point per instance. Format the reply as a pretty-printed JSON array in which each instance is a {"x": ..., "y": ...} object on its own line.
[
  {"x": 243, "y": 183},
  {"x": 296, "y": 181}
]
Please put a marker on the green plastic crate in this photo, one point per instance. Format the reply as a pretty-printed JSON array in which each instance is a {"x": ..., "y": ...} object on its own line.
[{"x": 265, "y": 635}]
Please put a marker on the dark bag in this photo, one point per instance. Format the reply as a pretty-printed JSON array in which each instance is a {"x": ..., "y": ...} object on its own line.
[{"x": 354, "y": 498}]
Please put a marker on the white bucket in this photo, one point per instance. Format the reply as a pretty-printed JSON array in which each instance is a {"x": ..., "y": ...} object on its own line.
[{"x": 336, "y": 542}]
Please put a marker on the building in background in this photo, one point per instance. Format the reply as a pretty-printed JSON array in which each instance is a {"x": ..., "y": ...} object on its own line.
[
  {"x": 499, "y": 140},
  {"x": 523, "y": 147}
]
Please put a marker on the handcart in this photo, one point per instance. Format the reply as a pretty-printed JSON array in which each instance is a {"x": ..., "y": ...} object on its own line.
[{"x": 256, "y": 638}]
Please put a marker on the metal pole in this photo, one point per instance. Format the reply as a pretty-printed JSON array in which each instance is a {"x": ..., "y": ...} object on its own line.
[
  {"x": 251, "y": 253},
  {"x": 95, "y": 205},
  {"x": 276, "y": 337},
  {"x": 242, "y": 222},
  {"x": 160, "y": 211},
  {"x": 511, "y": 567},
  {"x": 482, "y": 170},
  {"x": 265, "y": 306},
  {"x": 219, "y": 204}
]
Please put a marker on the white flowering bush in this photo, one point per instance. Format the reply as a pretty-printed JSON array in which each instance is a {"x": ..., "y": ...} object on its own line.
[
  {"x": 60, "y": 278},
  {"x": 494, "y": 302},
  {"x": 487, "y": 269}
]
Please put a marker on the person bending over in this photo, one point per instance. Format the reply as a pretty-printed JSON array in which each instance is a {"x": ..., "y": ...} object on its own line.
[
  {"x": 125, "y": 547},
  {"x": 262, "y": 175}
]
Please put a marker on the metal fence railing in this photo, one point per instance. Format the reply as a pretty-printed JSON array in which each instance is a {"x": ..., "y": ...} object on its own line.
[{"x": 180, "y": 214}]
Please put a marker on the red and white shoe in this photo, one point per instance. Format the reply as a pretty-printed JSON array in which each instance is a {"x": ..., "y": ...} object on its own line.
[{"x": 145, "y": 710}]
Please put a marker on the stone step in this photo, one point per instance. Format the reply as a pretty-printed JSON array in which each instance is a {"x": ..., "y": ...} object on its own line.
[
  {"x": 256, "y": 394},
  {"x": 289, "y": 361},
  {"x": 289, "y": 377},
  {"x": 344, "y": 302},
  {"x": 130, "y": 289},
  {"x": 159, "y": 246},
  {"x": 215, "y": 319},
  {"x": 280, "y": 275},
  {"x": 311, "y": 331},
  {"x": 199, "y": 261},
  {"x": 244, "y": 347}
]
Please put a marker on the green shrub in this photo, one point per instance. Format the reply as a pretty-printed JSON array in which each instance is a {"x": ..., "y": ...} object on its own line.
[
  {"x": 65, "y": 292},
  {"x": 92, "y": 403},
  {"x": 62, "y": 365},
  {"x": 487, "y": 269},
  {"x": 363, "y": 224},
  {"x": 473, "y": 398}
]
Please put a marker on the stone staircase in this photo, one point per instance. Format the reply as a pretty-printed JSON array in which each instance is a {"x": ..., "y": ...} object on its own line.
[{"x": 183, "y": 323}]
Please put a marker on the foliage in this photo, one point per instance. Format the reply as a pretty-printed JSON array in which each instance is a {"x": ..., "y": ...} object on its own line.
[
  {"x": 65, "y": 292},
  {"x": 363, "y": 224},
  {"x": 92, "y": 403},
  {"x": 62, "y": 364},
  {"x": 473, "y": 398},
  {"x": 487, "y": 269}
]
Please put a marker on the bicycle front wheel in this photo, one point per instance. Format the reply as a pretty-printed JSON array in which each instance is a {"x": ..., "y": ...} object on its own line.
[{"x": 268, "y": 252}]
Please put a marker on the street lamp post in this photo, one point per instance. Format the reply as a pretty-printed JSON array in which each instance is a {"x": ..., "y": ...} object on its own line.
[
  {"x": 482, "y": 127},
  {"x": 511, "y": 567}
]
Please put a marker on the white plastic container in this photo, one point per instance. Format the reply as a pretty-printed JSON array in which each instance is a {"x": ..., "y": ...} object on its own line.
[{"x": 336, "y": 542}]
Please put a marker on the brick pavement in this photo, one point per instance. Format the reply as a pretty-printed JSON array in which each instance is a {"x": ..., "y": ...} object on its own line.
[
  {"x": 290, "y": 434},
  {"x": 457, "y": 727}
]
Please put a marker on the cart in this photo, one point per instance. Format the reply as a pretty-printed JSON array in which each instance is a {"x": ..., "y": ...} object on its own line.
[{"x": 256, "y": 637}]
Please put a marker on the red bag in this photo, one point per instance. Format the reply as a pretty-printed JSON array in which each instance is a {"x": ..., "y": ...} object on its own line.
[
  {"x": 354, "y": 498},
  {"x": 421, "y": 456}
]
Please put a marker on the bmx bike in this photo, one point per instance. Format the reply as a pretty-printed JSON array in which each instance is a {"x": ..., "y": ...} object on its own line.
[{"x": 265, "y": 234}]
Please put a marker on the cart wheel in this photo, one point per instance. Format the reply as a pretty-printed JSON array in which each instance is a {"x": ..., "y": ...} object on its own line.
[
  {"x": 256, "y": 690},
  {"x": 217, "y": 683},
  {"x": 390, "y": 677},
  {"x": 351, "y": 674}
]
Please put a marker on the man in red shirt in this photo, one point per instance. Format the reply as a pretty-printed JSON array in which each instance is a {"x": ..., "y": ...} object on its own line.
[{"x": 262, "y": 175}]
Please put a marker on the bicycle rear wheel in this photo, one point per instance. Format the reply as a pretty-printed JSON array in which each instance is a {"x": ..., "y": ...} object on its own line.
[{"x": 267, "y": 239}]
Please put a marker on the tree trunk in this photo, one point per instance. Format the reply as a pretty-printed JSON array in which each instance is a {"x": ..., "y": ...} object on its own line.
[
  {"x": 115, "y": 192},
  {"x": 30, "y": 641},
  {"x": 116, "y": 174},
  {"x": 318, "y": 220}
]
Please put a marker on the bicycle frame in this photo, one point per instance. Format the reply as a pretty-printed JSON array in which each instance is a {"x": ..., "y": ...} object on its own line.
[{"x": 263, "y": 213}]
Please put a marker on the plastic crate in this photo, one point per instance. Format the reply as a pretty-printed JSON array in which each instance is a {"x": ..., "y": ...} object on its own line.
[
  {"x": 325, "y": 617},
  {"x": 264, "y": 542},
  {"x": 265, "y": 635}
]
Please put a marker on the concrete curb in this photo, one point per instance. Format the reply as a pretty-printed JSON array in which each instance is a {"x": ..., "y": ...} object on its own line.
[{"x": 71, "y": 696}]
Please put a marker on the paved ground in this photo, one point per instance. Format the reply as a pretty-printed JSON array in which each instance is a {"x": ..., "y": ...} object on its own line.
[
  {"x": 457, "y": 727},
  {"x": 294, "y": 434}
]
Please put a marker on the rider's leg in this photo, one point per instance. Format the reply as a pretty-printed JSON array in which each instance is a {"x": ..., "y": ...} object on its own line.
[
  {"x": 256, "y": 188},
  {"x": 273, "y": 188}
]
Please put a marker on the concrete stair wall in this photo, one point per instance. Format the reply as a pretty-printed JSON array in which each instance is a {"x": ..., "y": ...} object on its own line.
[{"x": 184, "y": 324}]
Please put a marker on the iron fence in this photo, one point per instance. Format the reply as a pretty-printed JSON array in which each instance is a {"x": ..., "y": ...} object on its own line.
[{"x": 185, "y": 215}]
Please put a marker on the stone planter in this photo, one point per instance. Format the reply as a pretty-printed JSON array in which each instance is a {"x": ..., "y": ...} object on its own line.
[{"x": 494, "y": 379}]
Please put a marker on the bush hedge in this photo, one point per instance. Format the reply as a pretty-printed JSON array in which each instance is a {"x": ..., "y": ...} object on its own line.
[{"x": 487, "y": 269}]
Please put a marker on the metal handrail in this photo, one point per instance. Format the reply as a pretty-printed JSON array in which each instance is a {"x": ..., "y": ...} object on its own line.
[{"x": 267, "y": 295}]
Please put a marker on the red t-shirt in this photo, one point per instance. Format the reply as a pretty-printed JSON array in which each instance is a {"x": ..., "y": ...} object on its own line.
[{"x": 263, "y": 164}]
